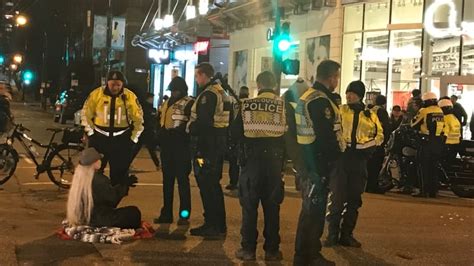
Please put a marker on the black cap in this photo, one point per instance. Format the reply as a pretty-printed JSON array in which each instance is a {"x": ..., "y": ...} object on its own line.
[
  {"x": 357, "y": 87},
  {"x": 89, "y": 156},
  {"x": 116, "y": 75},
  {"x": 178, "y": 83},
  {"x": 380, "y": 100}
]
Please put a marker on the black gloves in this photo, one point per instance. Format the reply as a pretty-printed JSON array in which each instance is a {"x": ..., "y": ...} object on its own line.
[{"x": 132, "y": 180}]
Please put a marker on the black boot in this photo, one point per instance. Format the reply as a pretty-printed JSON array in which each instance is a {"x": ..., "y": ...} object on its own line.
[
  {"x": 349, "y": 241},
  {"x": 320, "y": 260},
  {"x": 333, "y": 235}
]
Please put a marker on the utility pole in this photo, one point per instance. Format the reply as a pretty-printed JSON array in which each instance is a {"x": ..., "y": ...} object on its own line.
[
  {"x": 109, "y": 36},
  {"x": 44, "y": 70},
  {"x": 277, "y": 56}
]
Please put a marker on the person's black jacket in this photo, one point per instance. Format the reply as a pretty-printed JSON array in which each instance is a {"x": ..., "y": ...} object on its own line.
[
  {"x": 106, "y": 198},
  {"x": 394, "y": 123},
  {"x": 382, "y": 114},
  {"x": 460, "y": 113}
]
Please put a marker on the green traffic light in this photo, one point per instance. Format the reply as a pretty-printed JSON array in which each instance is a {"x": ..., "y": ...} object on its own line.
[
  {"x": 2, "y": 59},
  {"x": 28, "y": 75},
  {"x": 284, "y": 45}
]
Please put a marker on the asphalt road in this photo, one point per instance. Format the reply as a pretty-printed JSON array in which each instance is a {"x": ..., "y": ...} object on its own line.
[{"x": 394, "y": 229}]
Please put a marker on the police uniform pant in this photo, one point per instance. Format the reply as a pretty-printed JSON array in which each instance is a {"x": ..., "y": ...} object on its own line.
[
  {"x": 429, "y": 157},
  {"x": 117, "y": 151},
  {"x": 346, "y": 188},
  {"x": 208, "y": 179},
  {"x": 374, "y": 166},
  {"x": 176, "y": 164},
  {"x": 311, "y": 218},
  {"x": 261, "y": 182}
]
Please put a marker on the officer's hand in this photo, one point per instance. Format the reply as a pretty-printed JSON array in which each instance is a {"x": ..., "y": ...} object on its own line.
[{"x": 132, "y": 180}]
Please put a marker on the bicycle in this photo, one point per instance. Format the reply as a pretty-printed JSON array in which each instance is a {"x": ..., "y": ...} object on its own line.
[{"x": 58, "y": 162}]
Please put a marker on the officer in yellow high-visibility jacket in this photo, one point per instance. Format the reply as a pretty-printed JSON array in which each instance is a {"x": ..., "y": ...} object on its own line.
[
  {"x": 430, "y": 124},
  {"x": 113, "y": 121},
  {"x": 452, "y": 130},
  {"x": 362, "y": 133},
  {"x": 208, "y": 126},
  {"x": 260, "y": 126},
  {"x": 175, "y": 152}
]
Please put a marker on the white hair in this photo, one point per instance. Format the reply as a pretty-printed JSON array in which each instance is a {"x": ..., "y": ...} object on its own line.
[{"x": 80, "y": 202}]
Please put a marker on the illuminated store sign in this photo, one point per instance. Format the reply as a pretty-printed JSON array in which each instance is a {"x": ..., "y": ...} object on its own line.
[{"x": 467, "y": 28}]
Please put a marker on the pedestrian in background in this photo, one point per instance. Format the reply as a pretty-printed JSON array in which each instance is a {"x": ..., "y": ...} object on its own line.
[
  {"x": 148, "y": 137},
  {"x": 414, "y": 104},
  {"x": 375, "y": 162},
  {"x": 318, "y": 130},
  {"x": 113, "y": 120},
  {"x": 261, "y": 126},
  {"x": 175, "y": 151},
  {"x": 208, "y": 128},
  {"x": 459, "y": 112},
  {"x": 362, "y": 133},
  {"x": 396, "y": 118}
]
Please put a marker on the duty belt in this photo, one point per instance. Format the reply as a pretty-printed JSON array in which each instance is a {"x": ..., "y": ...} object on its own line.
[
  {"x": 108, "y": 134},
  {"x": 363, "y": 146}
]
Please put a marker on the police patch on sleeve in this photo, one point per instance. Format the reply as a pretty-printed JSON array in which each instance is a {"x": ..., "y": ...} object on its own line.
[
  {"x": 203, "y": 99},
  {"x": 328, "y": 113}
]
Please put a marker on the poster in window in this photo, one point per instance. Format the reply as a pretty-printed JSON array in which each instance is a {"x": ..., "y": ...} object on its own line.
[
  {"x": 267, "y": 63},
  {"x": 100, "y": 33},
  {"x": 118, "y": 33},
  {"x": 317, "y": 50},
  {"x": 240, "y": 68}
]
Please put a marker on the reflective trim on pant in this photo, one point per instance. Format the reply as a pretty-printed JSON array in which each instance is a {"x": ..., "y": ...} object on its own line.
[
  {"x": 310, "y": 224},
  {"x": 346, "y": 187}
]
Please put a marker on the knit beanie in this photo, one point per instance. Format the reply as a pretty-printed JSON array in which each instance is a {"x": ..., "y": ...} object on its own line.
[{"x": 357, "y": 87}]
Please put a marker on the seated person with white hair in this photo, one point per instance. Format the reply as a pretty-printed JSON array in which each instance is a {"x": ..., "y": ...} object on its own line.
[{"x": 93, "y": 200}]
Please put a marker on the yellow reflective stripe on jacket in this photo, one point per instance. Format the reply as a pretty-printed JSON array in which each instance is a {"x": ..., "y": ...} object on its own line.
[
  {"x": 304, "y": 125},
  {"x": 264, "y": 116},
  {"x": 96, "y": 112},
  {"x": 369, "y": 131},
  {"x": 452, "y": 129},
  {"x": 221, "y": 116},
  {"x": 424, "y": 114},
  {"x": 174, "y": 116}
]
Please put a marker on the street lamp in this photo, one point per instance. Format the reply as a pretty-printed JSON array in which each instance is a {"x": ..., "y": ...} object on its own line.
[
  {"x": 21, "y": 20},
  {"x": 18, "y": 58}
]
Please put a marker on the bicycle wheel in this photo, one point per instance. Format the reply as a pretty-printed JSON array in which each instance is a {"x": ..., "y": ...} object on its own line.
[
  {"x": 8, "y": 162},
  {"x": 61, "y": 164}
]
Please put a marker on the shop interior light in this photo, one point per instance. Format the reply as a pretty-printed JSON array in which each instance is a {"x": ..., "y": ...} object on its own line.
[
  {"x": 203, "y": 7},
  {"x": 168, "y": 21},
  {"x": 159, "y": 24},
  {"x": 190, "y": 12}
]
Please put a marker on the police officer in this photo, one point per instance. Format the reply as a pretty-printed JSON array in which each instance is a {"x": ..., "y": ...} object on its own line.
[
  {"x": 376, "y": 160},
  {"x": 113, "y": 121},
  {"x": 262, "y": 124},
  {"x": 318, "y": 130},
  {"x": 452, "y": 130},
  {"x": 430, "y": 123},
  {"x": 208, "y": 128},
  {"x": 175, "y": 152},
  {"x": 362, "y": 133}
]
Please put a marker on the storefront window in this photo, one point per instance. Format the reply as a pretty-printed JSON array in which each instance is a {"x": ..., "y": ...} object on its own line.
[
  {"x": 407, "y": 11},
  {"x": 446, "y": 56},
  {"x": 351, "y": 53},
  {"x": 353, "y": 18},
  {"x": 405, "y": 59},
  {"x": 374, "y": 61},
  {"x": 468, "y": 56},
  {"x": 377, "y": 15}
]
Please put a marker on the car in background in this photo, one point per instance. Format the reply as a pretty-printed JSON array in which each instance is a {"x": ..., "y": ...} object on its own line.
[{"x": 67, "y": 104}]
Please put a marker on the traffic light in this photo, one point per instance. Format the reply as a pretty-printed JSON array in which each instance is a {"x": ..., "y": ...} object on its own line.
[
  {"x": 2, "y": 59},
  {"x": 28, "y": 77},
  {"x": 284, "y": 39},
  {"x": 291, "y": 67}
]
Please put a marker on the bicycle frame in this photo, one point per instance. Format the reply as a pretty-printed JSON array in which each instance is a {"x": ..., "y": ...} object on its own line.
[{"x": 21, "y": 136}]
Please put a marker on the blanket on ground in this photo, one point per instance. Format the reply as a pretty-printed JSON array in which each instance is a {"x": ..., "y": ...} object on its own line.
[{"x": 110, "y": 235}]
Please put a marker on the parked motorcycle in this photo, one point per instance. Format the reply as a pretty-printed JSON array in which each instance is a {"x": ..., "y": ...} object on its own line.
[{"x": 401, "y": 169}]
